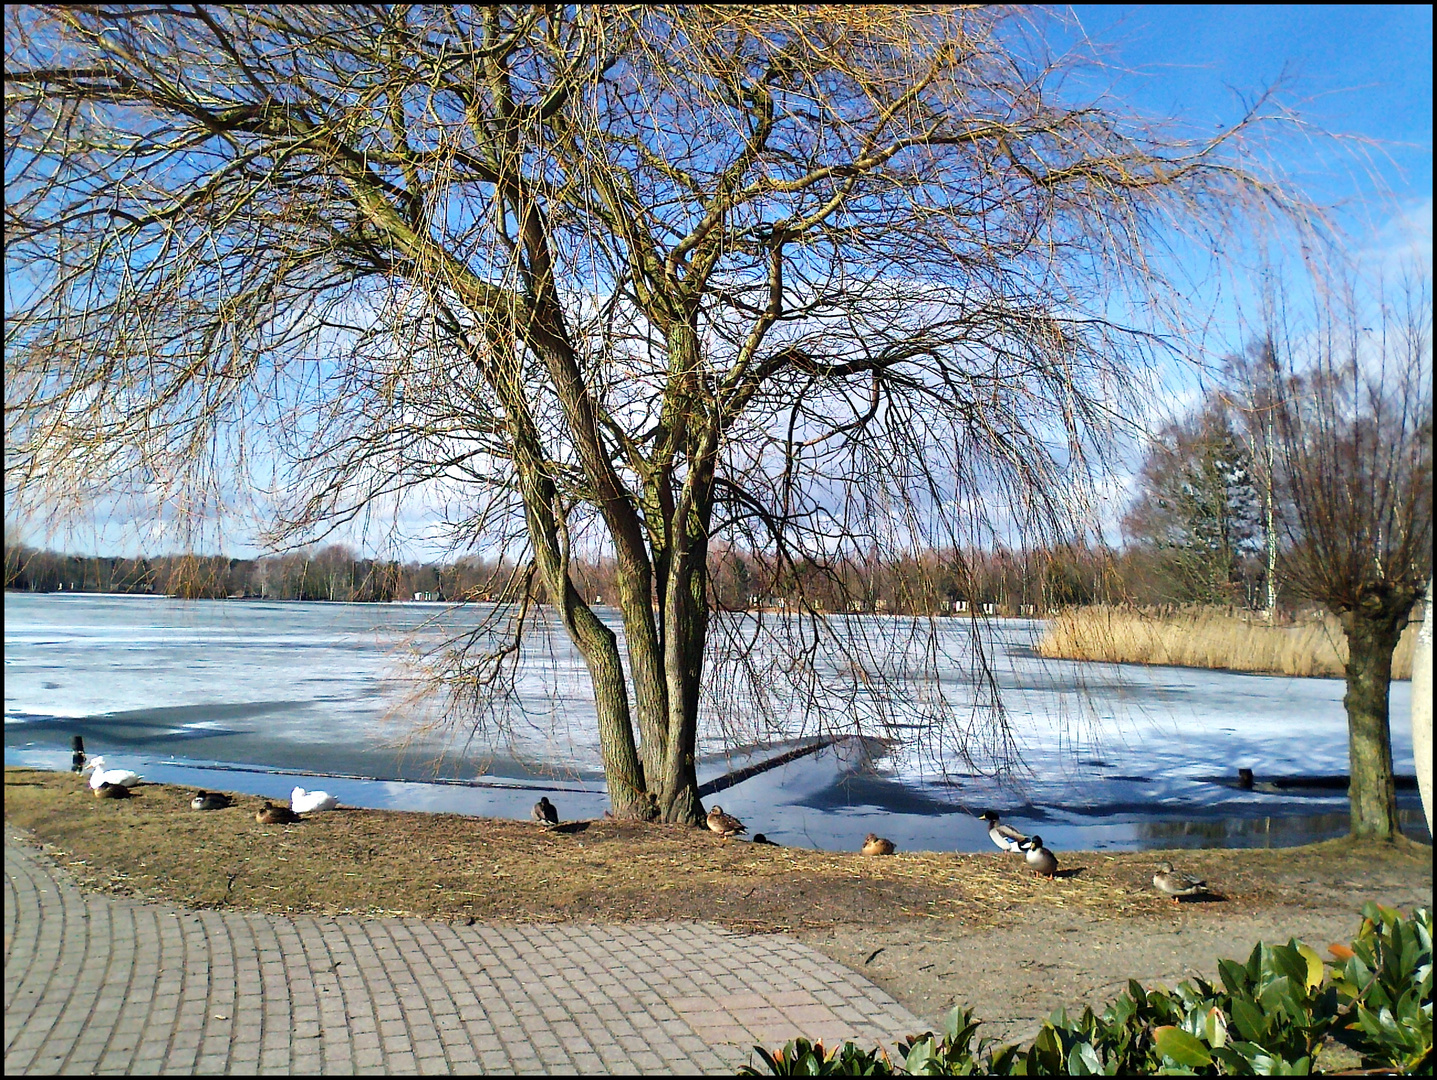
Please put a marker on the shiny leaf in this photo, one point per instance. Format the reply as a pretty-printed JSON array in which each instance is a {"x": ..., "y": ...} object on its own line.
[{"x": 1176, "y": 1044}]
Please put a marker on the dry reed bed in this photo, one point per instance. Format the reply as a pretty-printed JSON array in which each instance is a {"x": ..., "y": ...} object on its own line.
[{"x": 1208, "y": 638}]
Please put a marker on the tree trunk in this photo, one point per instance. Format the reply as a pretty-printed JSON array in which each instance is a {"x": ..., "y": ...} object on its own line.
[
  {"x": 1422, "y": 709},
  {"x": 548, "y": 532},
  {"x": 685, "y": 631},
  {"x": 1372, "y": 794}
]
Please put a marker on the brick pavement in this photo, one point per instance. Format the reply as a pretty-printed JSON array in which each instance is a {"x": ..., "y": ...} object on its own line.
[{"x": 95, "y": 983}]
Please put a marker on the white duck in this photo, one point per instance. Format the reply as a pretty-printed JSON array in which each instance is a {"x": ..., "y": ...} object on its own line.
[
  {"x": 102, "y": 775},
  {"x": 305, "y": 802}
]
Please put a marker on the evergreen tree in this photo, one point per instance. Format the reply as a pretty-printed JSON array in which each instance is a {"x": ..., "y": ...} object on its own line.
[{"x": 1199, "y": 508}]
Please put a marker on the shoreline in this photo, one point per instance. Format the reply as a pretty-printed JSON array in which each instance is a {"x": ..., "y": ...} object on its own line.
[{"x": 813, "y": 823}]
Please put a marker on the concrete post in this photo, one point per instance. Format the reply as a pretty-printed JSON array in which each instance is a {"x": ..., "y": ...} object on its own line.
[{"x": 1422, "y": 709}]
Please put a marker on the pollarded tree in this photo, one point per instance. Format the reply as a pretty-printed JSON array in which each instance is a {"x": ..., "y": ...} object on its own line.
[
  {"x": 1348, "y": 409},
  {"x": 804, "y": 280}
]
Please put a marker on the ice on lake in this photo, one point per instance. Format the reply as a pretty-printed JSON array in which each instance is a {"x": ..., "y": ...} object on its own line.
[{"x": 1104, "y": 750}]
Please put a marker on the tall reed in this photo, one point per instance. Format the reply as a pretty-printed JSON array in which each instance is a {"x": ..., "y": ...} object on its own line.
[{"x": 1209, "y": 638}]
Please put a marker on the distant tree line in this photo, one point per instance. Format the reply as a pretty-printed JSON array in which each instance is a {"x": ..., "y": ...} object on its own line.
[{"x": 1001, "y": 582}]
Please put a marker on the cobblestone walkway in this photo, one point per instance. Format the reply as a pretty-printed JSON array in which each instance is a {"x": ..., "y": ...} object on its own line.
[{"x": 95, "y": 983}]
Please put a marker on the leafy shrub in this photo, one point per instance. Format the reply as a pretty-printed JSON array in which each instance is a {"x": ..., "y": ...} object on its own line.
[
  {"x": 1269, "y": 1018},
  {"x": 803, "y": 1058},
  {"x": 1387, "y": 980}
]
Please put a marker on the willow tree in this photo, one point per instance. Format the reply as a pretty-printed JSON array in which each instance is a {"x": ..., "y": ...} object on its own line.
[{"x": 813, "y": 279}]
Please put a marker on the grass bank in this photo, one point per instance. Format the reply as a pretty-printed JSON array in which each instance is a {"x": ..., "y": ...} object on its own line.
[
  {"x": 1209, "y": 638},
  {"x": 446, "y": 866}
]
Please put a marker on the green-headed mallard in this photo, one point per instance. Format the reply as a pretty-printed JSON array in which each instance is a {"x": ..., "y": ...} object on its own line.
[
  {"x": 209, "y": 800},
  {"x": 725, "y": 824},
  {"x": 1005, "y": 836},
  {"x": 876, "y": 845},
  {"x": 270, "y": 814},
  {"x": 1040, "y": 860},
  {"x": 545, "y": 812},
  {"x": 107, "y": 790},
  {"x": 1176, "y": 885}
]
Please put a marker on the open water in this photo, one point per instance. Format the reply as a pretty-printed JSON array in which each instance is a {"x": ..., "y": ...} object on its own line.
[{"x": 259, "y": 696}]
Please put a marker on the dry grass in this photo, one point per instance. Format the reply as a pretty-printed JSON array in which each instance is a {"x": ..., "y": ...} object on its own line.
[
  {"x": 445, "y": 866},
  {"x": 1209, "y": 638}
]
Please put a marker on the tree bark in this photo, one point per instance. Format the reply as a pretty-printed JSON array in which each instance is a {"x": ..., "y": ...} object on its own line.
[
  {"x": 686, "y": 629},
  {"x": 628, "y": 792},
  {"x": 1422, "y": 709},
  {"x": 1372, "y": 794}
]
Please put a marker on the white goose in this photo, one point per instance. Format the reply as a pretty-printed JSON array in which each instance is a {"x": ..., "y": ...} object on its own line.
[
  {"x": 102, "y": 775},
  {"x": 305, "y": 802}
]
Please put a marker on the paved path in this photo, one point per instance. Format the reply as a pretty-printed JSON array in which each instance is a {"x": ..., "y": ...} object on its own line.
[{"x": 100, "y": 983}]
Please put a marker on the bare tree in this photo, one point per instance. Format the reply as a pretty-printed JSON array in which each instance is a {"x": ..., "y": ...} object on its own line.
[
  {"x": 813, "y": 281},
  {"x": 1349, "y": 411}
]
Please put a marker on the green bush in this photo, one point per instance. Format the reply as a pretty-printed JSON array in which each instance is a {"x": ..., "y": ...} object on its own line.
[{"x": 1269, "y": 1018}]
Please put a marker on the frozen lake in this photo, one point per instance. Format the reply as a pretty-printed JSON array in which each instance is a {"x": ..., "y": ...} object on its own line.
[{"x": 232, "y": 694}]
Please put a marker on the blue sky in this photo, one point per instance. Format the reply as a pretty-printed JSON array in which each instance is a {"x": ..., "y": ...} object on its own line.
[
  {"x": 1361, "y": 71},
  {"x": 1352, "y": 70}
]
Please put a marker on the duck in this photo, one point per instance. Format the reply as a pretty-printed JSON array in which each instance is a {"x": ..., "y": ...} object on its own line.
[
  {"x": 725, "y": 824},
  {"x": 209, "y": 800},
  {"x": 1005, "y": 836},
  {"x": 102, "y": 775},
  {"x": 544, "y": 812},
  {"x": 876, "y": 845},
  {"x": 269, "y": 814},
  {"x": 1176, "y": 885},
  {"x": 107, "y": 790},
  {"x": 1040, "y": 860},
  {"x": 305, "y": 802}
]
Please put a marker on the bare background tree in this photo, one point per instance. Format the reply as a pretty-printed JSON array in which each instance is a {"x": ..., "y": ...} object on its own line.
[
  {"x": 820, "y": 282},
  {"x": 1349, "y": 410}
]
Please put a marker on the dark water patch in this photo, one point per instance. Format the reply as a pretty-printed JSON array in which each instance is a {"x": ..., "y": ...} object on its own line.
[
  {"x": 1277, "y": 830},
  {"x": 1296, "y": 784},
  {"x": 867, "y": 789},
  {"x": 169, "y": 716},
  {"x": 149, "y": 727}
]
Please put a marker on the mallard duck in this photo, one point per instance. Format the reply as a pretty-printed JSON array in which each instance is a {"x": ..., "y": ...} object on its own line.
[
  {"x": 544, "y": 812},
  {"x": 1176, "y": 885},
  {"x": 107, "y": 790},
  {"x": 270, "y": 814},
  {"x": 724, "y": 824},
  {"x": 1005, "y": 836},
  {"x": 876, "y": 845},
  {"x": 1040, "y": 860},
  {"x": 102, "y": 775},
  {"x": 305, "y": 802},
  {"x": 209, "y": 800}
]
